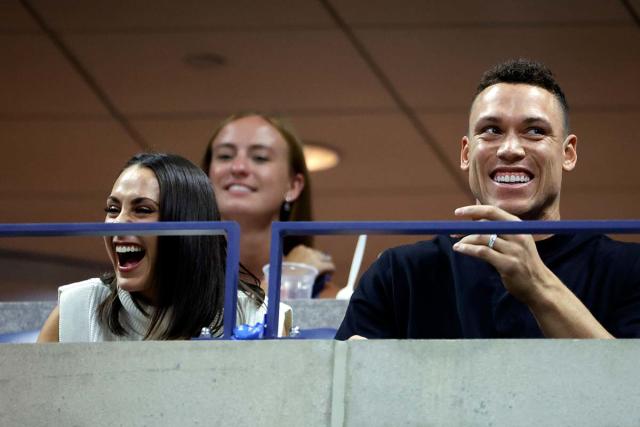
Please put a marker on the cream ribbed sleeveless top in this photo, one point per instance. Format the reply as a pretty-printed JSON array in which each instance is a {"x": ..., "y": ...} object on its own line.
[{"x": 79, "y": 320}]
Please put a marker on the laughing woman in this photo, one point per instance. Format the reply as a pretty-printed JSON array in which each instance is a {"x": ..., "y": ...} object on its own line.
[{"x": 161, "y": 288}]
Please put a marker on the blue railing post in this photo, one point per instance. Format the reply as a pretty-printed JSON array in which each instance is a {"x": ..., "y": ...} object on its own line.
[
  {"x": 275, "y": 271},
  {"x": 231, "y": 278}
]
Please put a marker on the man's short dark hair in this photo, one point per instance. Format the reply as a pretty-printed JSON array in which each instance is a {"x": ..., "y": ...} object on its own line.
[{"x": 527, "y": 72}]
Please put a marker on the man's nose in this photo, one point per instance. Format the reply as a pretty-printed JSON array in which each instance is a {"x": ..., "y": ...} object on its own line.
[{"x": 511, "y": 148}]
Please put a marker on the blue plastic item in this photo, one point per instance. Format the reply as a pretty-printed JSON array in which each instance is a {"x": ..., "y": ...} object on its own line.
[
  {"x": 248, "y": 332},
  {"x": 20, "y": 337}
]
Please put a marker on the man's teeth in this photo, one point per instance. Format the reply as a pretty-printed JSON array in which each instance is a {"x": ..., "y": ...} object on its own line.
[
  {"x": 122, "y": 249},
  {"x": 510, "y": 178}
]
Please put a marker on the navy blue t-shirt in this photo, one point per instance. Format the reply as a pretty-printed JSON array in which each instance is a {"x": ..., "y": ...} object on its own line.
[{"x": 426, "y": 290}]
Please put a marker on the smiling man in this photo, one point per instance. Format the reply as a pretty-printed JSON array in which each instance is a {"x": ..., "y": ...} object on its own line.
[{"x": 487, "y": 286}]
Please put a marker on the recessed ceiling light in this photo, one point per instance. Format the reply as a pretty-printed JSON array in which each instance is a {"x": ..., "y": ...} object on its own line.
[
  {"x": 320, "y": 156},
  {"x": 205, "y": 60}
]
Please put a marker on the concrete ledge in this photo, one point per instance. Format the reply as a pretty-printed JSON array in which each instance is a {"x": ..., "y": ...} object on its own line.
[
  {"x": 493, "y": 383},
  {"x": 166, "y": 384},
  {"x": 323, "y": 383}
]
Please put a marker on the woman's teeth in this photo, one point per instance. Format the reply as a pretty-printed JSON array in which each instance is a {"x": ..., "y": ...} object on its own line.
[
  {"x": 239, "y": 188},
  {"x": 129, "y": 255},
  {"x": 121, "y": 249}
]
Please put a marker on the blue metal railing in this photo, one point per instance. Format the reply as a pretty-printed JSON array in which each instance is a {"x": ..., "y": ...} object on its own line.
[
  {"x": 228, "y": 228},
  {"x": 281, "y": 229}
]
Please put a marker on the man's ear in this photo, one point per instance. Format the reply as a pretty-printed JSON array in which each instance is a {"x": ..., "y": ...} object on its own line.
[
  {"x": 570, "y": 147},
  {"x": 296, "y": 185},
  {"x": 464, "y": 153}
]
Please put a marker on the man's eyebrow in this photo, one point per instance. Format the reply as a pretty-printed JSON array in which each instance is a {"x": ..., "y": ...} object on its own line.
[
  {"x": 531, "y": 120},
  {"x": 484, "y": 120},
  {"x": 490, "y": 119}
]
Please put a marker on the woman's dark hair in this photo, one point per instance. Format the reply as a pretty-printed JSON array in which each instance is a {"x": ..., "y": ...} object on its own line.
[
  {"x": 301, "y": 207},
  {"x": 188, "y": 274}
]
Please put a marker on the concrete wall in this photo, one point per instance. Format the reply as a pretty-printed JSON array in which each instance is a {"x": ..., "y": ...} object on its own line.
[{"x": 323, "y": 383}]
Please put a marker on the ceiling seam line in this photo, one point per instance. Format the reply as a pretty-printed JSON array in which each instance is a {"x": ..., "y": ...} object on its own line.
[
  {"x": 86, "y": 76},
  {"x": 632, "y": 11},
  {"x": 395, "y": 95}
]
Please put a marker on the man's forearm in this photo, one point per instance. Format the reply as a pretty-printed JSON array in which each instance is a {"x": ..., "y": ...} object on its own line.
[{"x": 560, "y": 314}]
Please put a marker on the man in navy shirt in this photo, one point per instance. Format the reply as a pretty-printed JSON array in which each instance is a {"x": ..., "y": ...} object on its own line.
[{"x": 515, "y": 153}]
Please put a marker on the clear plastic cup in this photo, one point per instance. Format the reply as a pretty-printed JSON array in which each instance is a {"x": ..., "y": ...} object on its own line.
[{"x": 296, "y": 280}]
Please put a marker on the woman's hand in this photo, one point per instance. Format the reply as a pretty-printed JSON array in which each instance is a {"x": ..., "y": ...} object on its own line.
[{"x": 313, "y": 257}]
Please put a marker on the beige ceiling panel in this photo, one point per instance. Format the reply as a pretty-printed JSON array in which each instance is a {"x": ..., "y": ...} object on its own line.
[
  {"x": 607, "y": 152},
  {"x": 607, "y": 148},
  {"x": 378, "y": 152},
  {"x": 592, "y": 204},
  {"x": 60, "y": 160},
  {"x": 509, "y": 12},
  {"x": 422, "y": 204},
  {"x": 14, "y": 18},
  {"x": 36, "y": 80},
  {"x": 437, "y": 70},
  {"x": 186, "y": 137},
  {"x": 448, "y": 130},
  {"x": 283, "y": 70},
  {"x": 150, "y": 15}
]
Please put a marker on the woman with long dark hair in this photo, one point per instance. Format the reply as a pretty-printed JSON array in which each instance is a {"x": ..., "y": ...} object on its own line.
[{"x": 164, "y": 288}]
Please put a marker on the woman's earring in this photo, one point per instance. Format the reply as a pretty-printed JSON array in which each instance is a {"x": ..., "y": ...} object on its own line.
[{"x": 285, "y": 209}]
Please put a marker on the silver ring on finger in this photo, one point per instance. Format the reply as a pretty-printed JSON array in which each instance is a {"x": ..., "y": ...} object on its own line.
[{"x": 492, "y": 240}]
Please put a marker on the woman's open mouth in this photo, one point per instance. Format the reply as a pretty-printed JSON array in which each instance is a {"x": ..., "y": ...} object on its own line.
[{"x": 129, "y": 256}]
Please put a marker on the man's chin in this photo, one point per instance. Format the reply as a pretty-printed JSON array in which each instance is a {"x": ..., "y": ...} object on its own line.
[{"x": 520, "y": 209}]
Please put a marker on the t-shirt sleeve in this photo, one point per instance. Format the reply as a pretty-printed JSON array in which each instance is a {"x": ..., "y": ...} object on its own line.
[{"x": 370, "y": 310}]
